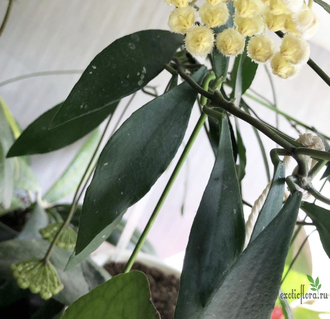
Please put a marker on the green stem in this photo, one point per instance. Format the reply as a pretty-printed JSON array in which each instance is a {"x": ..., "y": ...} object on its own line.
[
  {"x": 5, "y": 19},
  {"x": 315, "y": 170},
  {"x": 75, "y": 201},
  {"x": 165, "y": 193},
  {"x": 317, "y": 195},
  {"x": 313, "y": 153},
  {"x": 287, "y": 116},
  {"x": 206, "y": 83}
]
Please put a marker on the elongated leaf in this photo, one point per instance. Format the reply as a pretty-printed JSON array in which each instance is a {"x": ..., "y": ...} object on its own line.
[
  {"x": 68, "y": 182},
  {"x": 321, "y": 219},
  {"x": 37, "y": 138},
  {"x": 131, "y": 162},
  {"x": 273, "y": 201},
  {"x": 124, "y": 67},
  {"x": 39, "y": 219},
  {"x": 241, "y": 153},
  {"x": 261, "y": 145},
  {"x": 220, "y": 63},
  {"x": 324, "y": 5},
  {"x": 327, "y": 171},
  {"x": 217, "y": 235},
  {"x": 6, "y": 165},
  {"x": 13, "y": 251},
  {"x": 243, "y": 76},
  {"x": 6, "y": 233},
  {"x": 125, "y": 296},
  {"x": 250, "y": 288}
]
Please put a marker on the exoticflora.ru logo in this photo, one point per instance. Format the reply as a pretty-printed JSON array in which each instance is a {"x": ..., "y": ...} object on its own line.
[{"x": 302, "y": 295}]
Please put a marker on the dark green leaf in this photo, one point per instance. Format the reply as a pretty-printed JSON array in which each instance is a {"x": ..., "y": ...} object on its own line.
[
  {"x": 48, "y": 310},
  {"x": 261, "y": 145},
  {"x": 324, "y": 5},
  {"x": 250, "y": 288},
  {"x": 131, "y": 162},
  {"x": 13, "y": 251},
  {"x": 321, "y": 218},
  {"x": 6, "y": 165},
  {"x": 310, "y": 279},
  {"x": 233, "y": 141},
  {"x": 273, "y": 201},
  {"x": 214, "y": 134},
  {"x": 244, "y": 75},
  {"x": 68, "y": 182},
  {"x": 220, "y": 63},
  {"x": 124, "y": 296},
  {"x": 38, "y": 219},
  {"x": 241, "y": 153},
  {"x": 6, "y": 233},
  {"x": 37, "y": 138},
  {"x": 217, "y": 235},
  {"x": 124, "y": 67}
]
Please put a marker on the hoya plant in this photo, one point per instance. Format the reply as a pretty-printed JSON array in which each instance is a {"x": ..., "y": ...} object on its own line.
[{"x": 233, "y": 268}]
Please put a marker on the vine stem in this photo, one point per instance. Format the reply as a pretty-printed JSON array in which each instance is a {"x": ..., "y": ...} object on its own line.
[
  {"x": 165, "y": 193},
  {"x": 5, "y": 19}
]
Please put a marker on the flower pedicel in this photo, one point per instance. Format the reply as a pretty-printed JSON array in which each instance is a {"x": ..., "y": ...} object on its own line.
[{"x": 252, "y": 18}]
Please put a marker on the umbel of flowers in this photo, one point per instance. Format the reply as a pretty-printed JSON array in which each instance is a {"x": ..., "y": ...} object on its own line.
[{"x": 252, "y": 19}]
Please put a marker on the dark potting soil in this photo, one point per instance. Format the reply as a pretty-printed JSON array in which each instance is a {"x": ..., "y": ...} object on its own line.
[{"x": 164, "y": 288}]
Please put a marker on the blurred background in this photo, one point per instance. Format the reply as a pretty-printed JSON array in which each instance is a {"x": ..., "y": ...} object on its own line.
[{"x": 66, "y": 35}]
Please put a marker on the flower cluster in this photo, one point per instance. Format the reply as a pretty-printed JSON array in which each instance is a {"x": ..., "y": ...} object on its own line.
[
  {"x": 252, "y": 19},
  {"x": 38, "y": 276},
  {"x": 67, "y": 238}
]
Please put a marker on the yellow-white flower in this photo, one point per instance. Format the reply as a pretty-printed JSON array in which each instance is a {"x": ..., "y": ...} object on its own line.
[
  {"x": 278, "y": 7},
  {"x": 178, "y": 3},
  {"x": 275, "y": 22},
  {"x": 290, "y": 26},
  {"x": 294, "y": 5},
  {"x": 249, "y": 8},
  {"x": 182, "y": 19},
  {"x": 295, "y": 50},
  {"x": 261, "y": 48},
  {"x": 214, "y": 15},
  {"x": 199, "y": 41},
  {"x": 282, "y": 67},
  {"x": 249, "y": 26},
  {"x": 214, "y": 2},
  {"x": 230, "y": 42}
]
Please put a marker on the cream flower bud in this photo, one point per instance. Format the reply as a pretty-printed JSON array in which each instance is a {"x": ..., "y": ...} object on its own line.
[
  {"x": 306, "y": 21},
  {"x": 214, "y": 15},
  {"x": 261, "y": 48},
  {"x": 230, "y": 42},
  {"x": 282, "y": 67},
  {"x": 294, "y": 5},
  {"x": 182, "y": 19},
  {"x": 275, "y": 22},
  {"x": 180, "y": 3},
  {"x": 278, "y": 7},
  {"x": 295, "y": 50},
  {"x": 249, "y": 26},
  {"x": 214, "y": 2},
  {"x": 199, "y": 41},
  {"x": 266, "y": 2},
  {"x": 249, "y": 8}
]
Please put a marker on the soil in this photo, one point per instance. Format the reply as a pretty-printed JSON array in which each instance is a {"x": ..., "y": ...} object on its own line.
[{"x": 164, "y": 288}]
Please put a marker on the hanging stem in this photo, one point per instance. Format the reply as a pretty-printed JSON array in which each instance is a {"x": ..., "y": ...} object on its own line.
[
  {"x": 165, "y": 193},
  {"x": 5, "y": 19}
]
